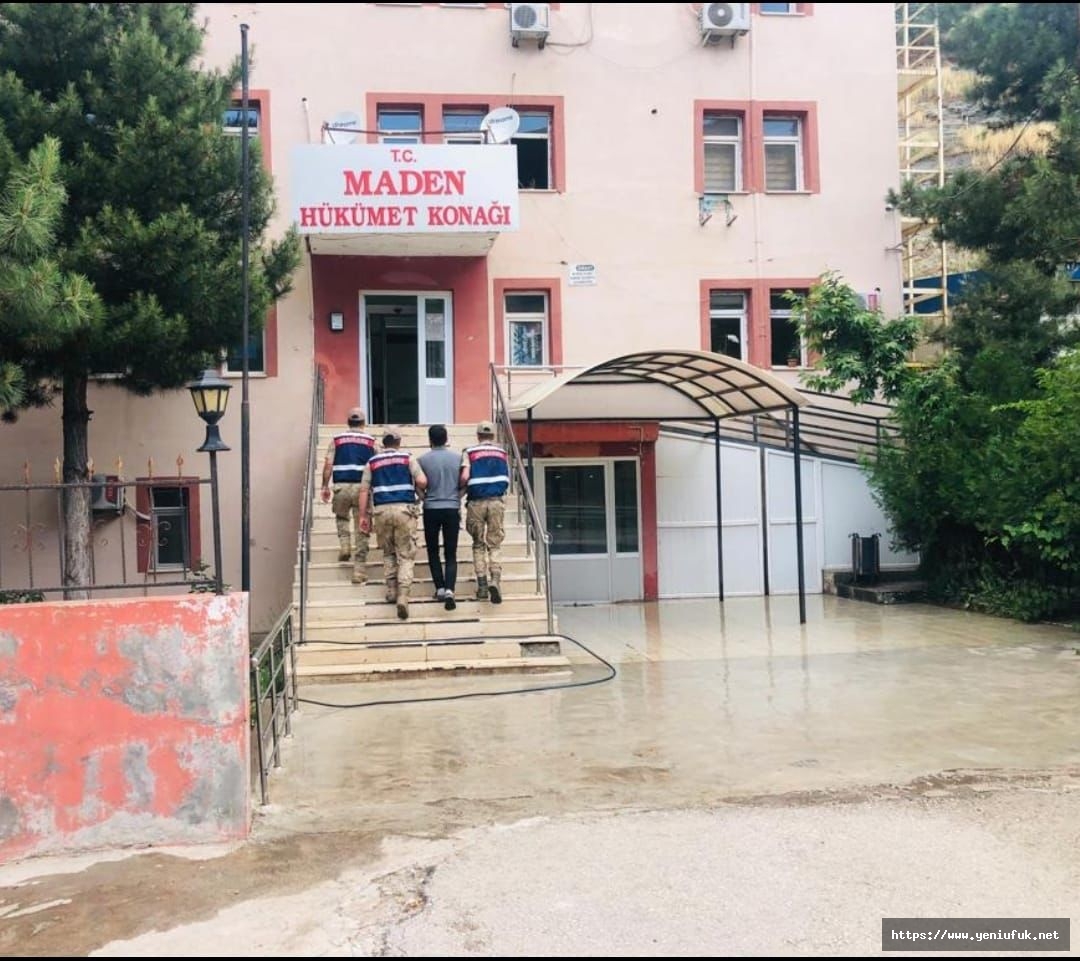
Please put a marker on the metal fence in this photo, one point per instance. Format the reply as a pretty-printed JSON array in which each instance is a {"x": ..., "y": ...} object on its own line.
[
  {"x": 135, "y": 535},
  {"x": 307, "y": 497},
  {"x": 273, "y": 696}
]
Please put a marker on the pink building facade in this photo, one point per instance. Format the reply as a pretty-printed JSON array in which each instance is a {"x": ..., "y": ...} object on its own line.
[{"x": 667, "y": 172}]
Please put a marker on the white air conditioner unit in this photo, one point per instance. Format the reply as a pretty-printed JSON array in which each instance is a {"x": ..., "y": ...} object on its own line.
[
  {"x": 106, "y": 494},
  {"x": 724, "y": 19},
  {"x": 529, "y": 21}
]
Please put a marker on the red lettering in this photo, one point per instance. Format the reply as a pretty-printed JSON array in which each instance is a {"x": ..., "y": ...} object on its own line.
[
  {"x": 411, "y": 182},
  {"x": 455, "y": 181},
  {"x": 307, "y": 216},
  {"x": 357, "y": 183}
]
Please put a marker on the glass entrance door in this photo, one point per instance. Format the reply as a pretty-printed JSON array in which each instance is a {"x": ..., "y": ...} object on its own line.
[
  {"x": 405, "y": 354},
  {"x": 591, "y": 509}
]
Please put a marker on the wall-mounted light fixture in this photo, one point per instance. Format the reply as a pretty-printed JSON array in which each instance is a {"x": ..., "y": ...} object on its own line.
[{"x": 337, "y": 320}]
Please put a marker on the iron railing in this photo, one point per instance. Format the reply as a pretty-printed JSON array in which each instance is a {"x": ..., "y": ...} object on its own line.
[
  {"x": 307, "y": 504},
  {"x": 134, "y": 543},
  {"x": 273, "y": 696},
  {"x": 520, "y": 483}
]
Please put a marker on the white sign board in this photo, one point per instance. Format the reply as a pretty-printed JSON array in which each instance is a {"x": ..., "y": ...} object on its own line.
[
  {"x": 582, "y": 275},
  {"x": 404, "y": 188}
]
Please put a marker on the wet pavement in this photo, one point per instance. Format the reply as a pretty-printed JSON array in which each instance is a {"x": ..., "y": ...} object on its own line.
[{"x": 735, "y": 714}]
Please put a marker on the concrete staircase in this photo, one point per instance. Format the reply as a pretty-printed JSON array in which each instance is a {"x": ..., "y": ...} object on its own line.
[{"x": 351, "y": 633}]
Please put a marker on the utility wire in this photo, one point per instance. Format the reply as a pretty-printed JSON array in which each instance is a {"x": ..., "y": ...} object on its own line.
[{"x": 611, "y": 673}]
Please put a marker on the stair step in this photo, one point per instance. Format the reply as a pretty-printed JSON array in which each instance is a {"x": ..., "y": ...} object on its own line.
[
  {"x": 382, "y": 670},
  {"x": 374, "y": 608},
  {"x": 417, "y": 651},
  {"x": 333, "y": 572},
  {"x": 344, "y": 591},
  {"x": 328, "y": 538},
  {"x": 427, "y": 628}
]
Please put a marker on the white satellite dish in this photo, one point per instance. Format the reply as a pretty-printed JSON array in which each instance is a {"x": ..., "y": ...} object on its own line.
[
  {"x": 344, "y": 127},
  {"x": 501, "y": 124}
]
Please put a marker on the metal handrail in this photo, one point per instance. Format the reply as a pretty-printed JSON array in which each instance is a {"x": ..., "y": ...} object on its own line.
[
  {"x": 308, "y": 498},
  {"x": 535, "y": 527},
  {"x": 274, "y": 695}
]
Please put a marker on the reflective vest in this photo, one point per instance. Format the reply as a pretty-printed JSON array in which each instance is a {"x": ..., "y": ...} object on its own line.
[
  {"x": 391, "y": 479},
  {"x": 489, "y": 471},
  {"x": 352, "y": 450}
]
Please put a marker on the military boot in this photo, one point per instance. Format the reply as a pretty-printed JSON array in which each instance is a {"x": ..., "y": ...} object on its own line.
[
  {"x": 403, "y": 605},
  {"x": 359, "y": 575},
  {"x": 481, "y": 589},
  {"x": 344, "y": 550},
  {"x": 494, "y": 592}
]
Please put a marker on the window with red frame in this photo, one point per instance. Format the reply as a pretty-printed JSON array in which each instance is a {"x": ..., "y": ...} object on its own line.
[{"x": 167, "y": 524}]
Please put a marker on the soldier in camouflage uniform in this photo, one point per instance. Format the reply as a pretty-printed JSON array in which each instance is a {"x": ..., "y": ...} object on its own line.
[
  {"x": 485, "y": 475},
  {"x": 346, "y": 456},
  {"x": 390, "y": 481}
]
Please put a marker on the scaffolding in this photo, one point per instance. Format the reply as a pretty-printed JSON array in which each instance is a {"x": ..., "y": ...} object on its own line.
[{"x": 921, "y": 119}]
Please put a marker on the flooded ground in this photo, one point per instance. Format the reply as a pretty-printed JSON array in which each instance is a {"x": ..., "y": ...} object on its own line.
[{"x": 741, "y": 780}]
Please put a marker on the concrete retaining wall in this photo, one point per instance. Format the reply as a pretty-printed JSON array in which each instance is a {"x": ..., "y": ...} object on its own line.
[{"x": 122, "y": 723}]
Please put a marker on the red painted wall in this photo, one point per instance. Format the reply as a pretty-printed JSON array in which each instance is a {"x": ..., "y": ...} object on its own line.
[
  {"x": 587, "y": 439},
  {"x": 338, "y": 281},
  {"x": 123, "y": 723}
]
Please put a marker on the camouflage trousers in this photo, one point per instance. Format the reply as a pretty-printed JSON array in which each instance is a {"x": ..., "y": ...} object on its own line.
[
  {"x": 484, "y": 522},
  {"x": 346, "y": 508},
  {"x": 395, "y": 526}
]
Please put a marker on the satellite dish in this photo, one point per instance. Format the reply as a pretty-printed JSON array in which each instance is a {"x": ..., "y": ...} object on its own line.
[
  {"x": 344, "y": 127},
  {"x": 501, "y": 124}
]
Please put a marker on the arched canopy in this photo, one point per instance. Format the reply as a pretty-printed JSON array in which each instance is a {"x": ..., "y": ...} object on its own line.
[
  {"x": 658, "y": 385},
  {"x": 666, "y": 385}
]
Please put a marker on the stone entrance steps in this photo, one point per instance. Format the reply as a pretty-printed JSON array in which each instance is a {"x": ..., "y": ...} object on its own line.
[{"x": 351, "y": 631}]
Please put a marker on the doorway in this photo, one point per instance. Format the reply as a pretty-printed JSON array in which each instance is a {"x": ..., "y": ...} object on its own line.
[
  {"x": 405, "y": 348},
  {"x": 592, "y": 511}
]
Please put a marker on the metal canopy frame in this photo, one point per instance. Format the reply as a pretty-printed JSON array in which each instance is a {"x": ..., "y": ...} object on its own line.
[{"x": 671, "y": 385}]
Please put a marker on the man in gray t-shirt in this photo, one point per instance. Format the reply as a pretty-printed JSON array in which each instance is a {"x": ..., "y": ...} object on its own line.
[{"x": 442, "y": 512}]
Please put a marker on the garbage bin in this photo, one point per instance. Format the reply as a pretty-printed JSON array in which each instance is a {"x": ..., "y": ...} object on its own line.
[{"x": 865, "y": 557}]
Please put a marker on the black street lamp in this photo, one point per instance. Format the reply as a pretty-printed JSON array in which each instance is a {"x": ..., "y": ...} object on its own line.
[{"x": 211, "y": 395}]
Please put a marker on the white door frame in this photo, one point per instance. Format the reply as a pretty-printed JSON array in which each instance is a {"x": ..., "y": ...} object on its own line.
[
  {"x": 446, "y": 384},
  {"x": 612, "y": 555}
]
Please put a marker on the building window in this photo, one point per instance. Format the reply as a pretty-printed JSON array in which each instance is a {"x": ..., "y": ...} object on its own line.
[
  {"x": 727, "y": 323},
  {"x": 233, "y": 362},
  {"x": 167, "y": 519},
  {"x": 722, "y": 136},
  {"x": 533, "y": 141},
  {"x": 783, "y": 153},
  {"x": 400, "y": 125},
  {"x": 786, "y": 347},
  {"x": 527, "y": 324},
  {"x": 779, "y": 8},
  {"x": 234, "y": 119},
  {"x": 435, "y": 338},
  {"x": 576, "y": 508},
  {"x": 462, "y": 126},
  {"x": 626, "y": 507}
]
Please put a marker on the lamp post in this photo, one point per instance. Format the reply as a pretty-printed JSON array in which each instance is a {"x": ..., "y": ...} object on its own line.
[
  {"x": 245, "y": 269},
  {"x": 210, "y": 394}
]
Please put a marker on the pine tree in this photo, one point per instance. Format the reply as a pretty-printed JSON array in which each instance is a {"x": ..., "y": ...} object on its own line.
[
  {"x": 153, "y": 220},
  {"x": 36, "y": 297}
]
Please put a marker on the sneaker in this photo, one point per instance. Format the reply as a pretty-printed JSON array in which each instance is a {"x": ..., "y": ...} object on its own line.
[
  {"x": 494, "y": 594},
  {"x": 448, "y": 601},
  {"x": 440, "y": 594}
]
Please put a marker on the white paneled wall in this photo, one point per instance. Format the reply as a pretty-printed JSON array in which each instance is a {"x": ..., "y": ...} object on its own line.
[{"x": 836, "y": 503}]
